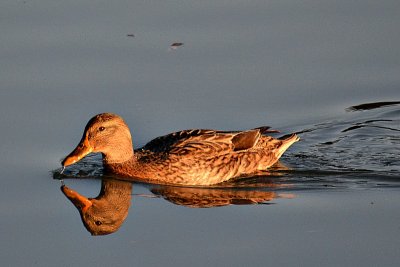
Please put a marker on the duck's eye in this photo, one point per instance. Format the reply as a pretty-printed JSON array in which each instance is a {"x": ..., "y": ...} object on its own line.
[
  {"x": 102, "y": 128},
  {"x": 98, "y": 223}
]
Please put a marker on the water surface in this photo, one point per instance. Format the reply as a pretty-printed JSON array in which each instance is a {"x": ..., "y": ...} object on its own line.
[{"x": 311, "y": 67}]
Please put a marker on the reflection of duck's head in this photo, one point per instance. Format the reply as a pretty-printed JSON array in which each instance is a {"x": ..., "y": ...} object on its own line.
[
  {"x": 106, "y": 213},
  {"x": 106, "y": 133}
]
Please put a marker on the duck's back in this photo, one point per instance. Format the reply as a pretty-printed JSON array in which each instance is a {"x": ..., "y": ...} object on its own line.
[{"x": 203, "y": 157}]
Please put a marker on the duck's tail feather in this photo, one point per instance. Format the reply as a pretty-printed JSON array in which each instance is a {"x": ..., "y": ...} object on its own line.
[
  {"x": 286, "y": 143},
  {"x": 266, "y": 129}
]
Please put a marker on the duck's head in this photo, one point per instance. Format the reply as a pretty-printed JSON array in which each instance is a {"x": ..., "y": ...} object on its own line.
[{"x": 108, "y": 134}]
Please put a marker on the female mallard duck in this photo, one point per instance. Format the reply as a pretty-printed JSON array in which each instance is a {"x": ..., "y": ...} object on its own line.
[{"x": 191, "y": 157}]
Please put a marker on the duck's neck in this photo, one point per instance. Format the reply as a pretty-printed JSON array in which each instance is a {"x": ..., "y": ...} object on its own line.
[
  {"x": 129, "y": 168},
  {"x": 119, "y": 155}
]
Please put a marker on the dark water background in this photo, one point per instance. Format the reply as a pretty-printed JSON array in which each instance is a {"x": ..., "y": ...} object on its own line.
[{"x": 297, "y": 66}]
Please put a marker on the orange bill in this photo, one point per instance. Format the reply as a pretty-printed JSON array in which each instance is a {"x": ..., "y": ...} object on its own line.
[
  {"x": 79, "y": 152},
  {"x": 81, "y": 203}
]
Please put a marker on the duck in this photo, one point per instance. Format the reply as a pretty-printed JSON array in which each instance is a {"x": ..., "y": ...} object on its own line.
[{"x": 195, "y": 157}]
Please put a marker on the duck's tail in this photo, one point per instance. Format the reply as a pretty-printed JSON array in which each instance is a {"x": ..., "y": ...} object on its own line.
[{"x": 286, "y": 143}]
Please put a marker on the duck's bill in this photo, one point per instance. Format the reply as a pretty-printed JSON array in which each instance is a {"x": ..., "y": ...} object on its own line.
[
  {"x": 81, "y": 203},
  {"x": 79, "y": 152}
]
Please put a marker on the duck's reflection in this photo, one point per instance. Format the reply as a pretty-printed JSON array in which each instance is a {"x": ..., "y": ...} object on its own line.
[
  {"x": 106, "y": 213},
  {"x": 209, "y": 198}
]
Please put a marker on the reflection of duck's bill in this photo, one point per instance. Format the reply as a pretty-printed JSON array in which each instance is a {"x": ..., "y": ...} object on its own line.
[
  {"x": 79, "y": 152},
  {"x": 82, "y": 203}
]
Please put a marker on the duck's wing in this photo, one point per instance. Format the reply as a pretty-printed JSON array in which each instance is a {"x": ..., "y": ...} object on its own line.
[
  {"x": 210, "y": 143},
  {"x": 201, "y": 141},
  {"x": 166, "y": 142}
]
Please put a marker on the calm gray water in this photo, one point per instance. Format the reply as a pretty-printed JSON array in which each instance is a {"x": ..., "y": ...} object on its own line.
[{"x": 294, "y": 65}]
